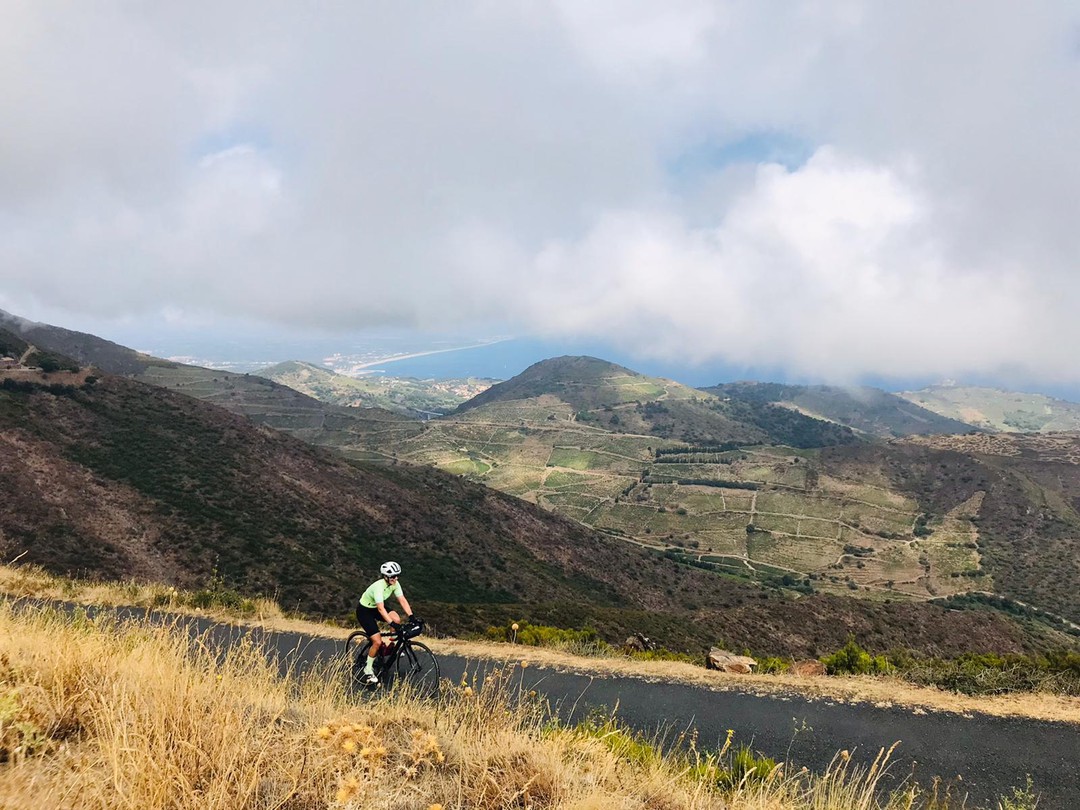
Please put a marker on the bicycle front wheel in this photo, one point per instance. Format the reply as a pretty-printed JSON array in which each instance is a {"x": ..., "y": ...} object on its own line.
[{"x": 417, "y": 666}]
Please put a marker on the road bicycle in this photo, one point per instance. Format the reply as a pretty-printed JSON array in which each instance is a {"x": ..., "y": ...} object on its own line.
[{"x": 400, "y": 660}]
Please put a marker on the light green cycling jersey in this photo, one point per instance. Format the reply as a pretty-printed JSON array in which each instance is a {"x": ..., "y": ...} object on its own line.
[{"x": 380, "y": 591}]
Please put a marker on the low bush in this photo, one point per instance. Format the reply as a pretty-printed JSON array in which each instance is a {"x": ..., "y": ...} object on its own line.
[
  {"x": 989, "y": 673},
  {"x": 662, "y": 654},
  {"x": 969, "y": 674},
  {"x": 851, "y": 659}
]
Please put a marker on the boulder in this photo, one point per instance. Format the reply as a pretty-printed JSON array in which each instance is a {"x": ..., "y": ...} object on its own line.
[
  {"x": 729, "y": 662},
  {"x": 808, "y": 668}
]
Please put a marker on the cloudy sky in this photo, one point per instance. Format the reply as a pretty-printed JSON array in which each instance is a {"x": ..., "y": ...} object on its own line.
[{"x": 836, "y": 189}]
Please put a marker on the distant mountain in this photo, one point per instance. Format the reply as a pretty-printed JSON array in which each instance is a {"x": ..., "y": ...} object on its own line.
[
  {"x": 405, "y": 395},
  {"x": 583, "y": 383},
  {"x": 867, "y": 410},
  {"x": 995, "y": 409},
  {"x": 257, "y": 398},
  {"x": 615, "y": 398},
  {"x": 113, "y": 478}
]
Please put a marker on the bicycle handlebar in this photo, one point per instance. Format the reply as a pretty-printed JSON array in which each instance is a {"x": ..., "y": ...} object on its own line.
[{"x": 408, "y": 629}]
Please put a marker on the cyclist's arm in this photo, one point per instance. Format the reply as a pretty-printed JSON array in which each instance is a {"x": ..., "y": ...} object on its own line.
[
  {"x": 405, "y": 605},
  {"x": 381, "y": 607}
]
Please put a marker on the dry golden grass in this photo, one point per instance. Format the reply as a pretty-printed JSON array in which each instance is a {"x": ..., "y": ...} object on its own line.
[
  {"x": 98, "y": 716},
  {"x": 33, "y": 581},
  {"x": 880, "y": 691}
]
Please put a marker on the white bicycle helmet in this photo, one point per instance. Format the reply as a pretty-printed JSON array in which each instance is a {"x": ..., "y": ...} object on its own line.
[{"x": 390, "y": 569}]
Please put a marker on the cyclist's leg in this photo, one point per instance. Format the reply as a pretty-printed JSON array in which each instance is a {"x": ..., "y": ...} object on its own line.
[{"x": 368, "y": 619}]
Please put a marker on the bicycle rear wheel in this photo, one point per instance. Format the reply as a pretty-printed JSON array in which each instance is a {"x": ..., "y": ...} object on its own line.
[{"x": 416, "y": 665}]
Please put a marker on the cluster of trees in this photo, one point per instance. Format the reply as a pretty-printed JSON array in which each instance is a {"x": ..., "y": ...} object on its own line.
[
  {"x": 686, "y": 449},
  {"x": 704, "y": 482}
]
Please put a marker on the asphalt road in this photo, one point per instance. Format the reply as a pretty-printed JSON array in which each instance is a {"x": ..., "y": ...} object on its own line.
[{"x": 991, "y": 754}]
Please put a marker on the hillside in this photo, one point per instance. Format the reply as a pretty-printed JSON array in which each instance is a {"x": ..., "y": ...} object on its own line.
[
  {"x": 11, "y": 345},
  {"x": 1027, "y": 488},
  {"x": 610, "y": 396},
  {"x": 79, "y": 346},
  {"x": 994, "y": 409},
  {"x": 26, "y": 355},
  {"x": 256, "y": 398},
  {"x": 118, "y": 479},
  {"x": 404, "y": 395},
  {"x": 854, "y": 519},
  {"x": 867, "y": 410}
]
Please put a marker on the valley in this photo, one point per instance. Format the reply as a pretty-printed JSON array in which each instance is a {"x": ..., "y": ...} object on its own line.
[{"x": 734, "y": 493}]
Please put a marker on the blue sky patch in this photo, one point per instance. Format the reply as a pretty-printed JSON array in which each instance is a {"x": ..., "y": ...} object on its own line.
[
  {"x": 212, "y": 143},
  {"x": 706, "y": 157}
]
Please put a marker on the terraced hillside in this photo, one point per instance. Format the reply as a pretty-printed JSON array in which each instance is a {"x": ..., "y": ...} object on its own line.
[
  {"x": 609, "y": 396},
  {"x": 994, "y": 409},
  {"x": 1028, "y": 522},
  {"x": 768, "y": 513},
  {"x": 405, "y": 395}
]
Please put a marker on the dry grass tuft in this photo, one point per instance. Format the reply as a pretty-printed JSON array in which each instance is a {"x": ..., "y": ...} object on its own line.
[{"x": 214, "y": 601}]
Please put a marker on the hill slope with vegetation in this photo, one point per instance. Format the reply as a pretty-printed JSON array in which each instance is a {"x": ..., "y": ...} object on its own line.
[
  {"x": 994, "y": 409},
  {"x": 867, "y": 410},
  {"x": 405, "y": 395},
  {"x": 855, "y": 519},
  {"x": 610, "y": 396}
]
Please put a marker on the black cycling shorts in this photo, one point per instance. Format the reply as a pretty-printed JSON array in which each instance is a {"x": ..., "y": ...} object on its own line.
[{"x": 368, "y": 618}]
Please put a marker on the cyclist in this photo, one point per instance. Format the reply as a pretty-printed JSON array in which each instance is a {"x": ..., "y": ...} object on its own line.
[{"x": 372, "y": 607}]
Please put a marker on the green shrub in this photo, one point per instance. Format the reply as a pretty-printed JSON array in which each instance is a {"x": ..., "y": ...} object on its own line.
[
  {"x": 773, "y": 665},
  {"x": 1024, "y": 798},
  {"x": 989, "y": 673},
  {"x": 851, "y": 659}
]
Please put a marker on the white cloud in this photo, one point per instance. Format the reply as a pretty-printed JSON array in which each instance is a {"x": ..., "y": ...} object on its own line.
[
  {"x": 367, "y": 164},
  {"x": 833, "y": 268}
]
